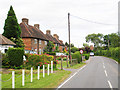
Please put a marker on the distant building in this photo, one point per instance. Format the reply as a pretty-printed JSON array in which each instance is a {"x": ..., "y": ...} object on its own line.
[{"x": 5, "y": 43}]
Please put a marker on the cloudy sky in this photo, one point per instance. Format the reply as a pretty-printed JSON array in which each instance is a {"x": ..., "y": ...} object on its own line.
[{"x": 52, "y": 15}]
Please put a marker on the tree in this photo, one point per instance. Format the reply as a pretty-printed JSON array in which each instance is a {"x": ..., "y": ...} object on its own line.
[
  {"x": 12, "y": 29},
  {"x": 95, "y": 38},
  {"x": 66, "y": 44},
  {"x": 86, "y": 45},
  {"x": 74, "y": 49},
  {"x": 72, "y": 45},
  {"x": 49, "y": 47}
]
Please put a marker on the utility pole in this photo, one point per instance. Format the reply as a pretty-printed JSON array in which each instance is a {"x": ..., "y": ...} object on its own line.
[
  {"x": 69, "y": 37},
  {"x": 108, "y": 42}
]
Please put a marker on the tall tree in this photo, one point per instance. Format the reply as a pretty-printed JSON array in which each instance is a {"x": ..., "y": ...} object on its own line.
[
  {"x": 12, "y": 29},
  {"x": 95, "y": 38}
]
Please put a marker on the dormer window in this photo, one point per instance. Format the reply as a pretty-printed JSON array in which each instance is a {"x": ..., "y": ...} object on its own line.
[{"x": 35, "y": 41}]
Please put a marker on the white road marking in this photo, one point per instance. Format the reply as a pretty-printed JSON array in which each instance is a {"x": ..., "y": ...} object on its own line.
[
  {"x": 70, "y": 77},
  {"x": 109, "y": 84},
  {"x": 105, "y": 73},
  {"x": 103, "y": 66}
]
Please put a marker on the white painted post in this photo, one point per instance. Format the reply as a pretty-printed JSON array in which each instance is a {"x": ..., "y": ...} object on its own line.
[
  {"x": 48, "y": 69},
  {"x": 38, "y": 71},
  {"x": 51, "y": 66},
  {"x": 31, "y": 74},
  {"x": 13, "y": 79},
  {"x": 0, "y": 82},
  {"x": 23, "y": 77},
  {"x": 43, "y": 71}
]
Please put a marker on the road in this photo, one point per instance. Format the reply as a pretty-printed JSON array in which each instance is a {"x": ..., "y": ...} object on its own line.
[{"x": 100, "y": 72}]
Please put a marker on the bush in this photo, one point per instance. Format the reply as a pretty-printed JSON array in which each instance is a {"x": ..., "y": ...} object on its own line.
[
  {"x": 34, "y": 60},
  {"x": 77, "y": 56},
  {"x": 51, "y": 53},
  {"x": 86, "y": 56},
  {"x": 15, "y": 56}
]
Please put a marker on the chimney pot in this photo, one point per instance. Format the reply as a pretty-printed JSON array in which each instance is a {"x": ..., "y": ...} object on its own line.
[
  {"x": 56, "y": 36},
  {"x": 48, "y": 32},
  {"x": 25, "y": 20},
  {"x": 36, "y": 25}
]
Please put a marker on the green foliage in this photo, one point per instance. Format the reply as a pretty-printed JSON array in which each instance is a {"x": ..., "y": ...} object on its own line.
[
  {"x": 95, "y": 38},
  {"x": 15, "y": 56},
  {"x": 86, "y": 56},
  {"x": 66, "y": 44},
  {"x": 50, "y": 53},
  {"x": 74, "y": 49},
  {"x": 49, "y": 47},
  {"x": 56, "y": 49},
  {"x": 34, "y": 60},
  {"x": 86, "y": 45},
  {"x": 112, "y": 52},
  {"x": 11, "y": 28},
  {"x": 77, "y": 56}
]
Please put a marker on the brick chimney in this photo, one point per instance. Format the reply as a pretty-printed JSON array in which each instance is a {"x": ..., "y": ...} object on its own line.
[
  {"x": 25, "y": 20},
  {"x": 56, "y": 36},
  {"x": 37, "y": 26},
  {"x": 48, "y": 32}
]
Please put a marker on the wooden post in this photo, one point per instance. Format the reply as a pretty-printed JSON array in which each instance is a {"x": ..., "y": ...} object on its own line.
[
  {"x": 48, "y": 69},
  {"x": 13, "y": 79}
]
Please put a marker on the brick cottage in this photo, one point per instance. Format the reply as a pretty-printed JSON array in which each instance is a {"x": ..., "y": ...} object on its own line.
[{"x": 35, "y": 40}]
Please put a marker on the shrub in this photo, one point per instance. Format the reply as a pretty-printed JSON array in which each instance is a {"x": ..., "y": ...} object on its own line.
[
  {"x": 51, "y": 53},
  {"x": 86, "y": 56},
  {"x": 35, "y": 60},
  {"x": 77, "y": 56},
  {"x": 15, "y": 56}
]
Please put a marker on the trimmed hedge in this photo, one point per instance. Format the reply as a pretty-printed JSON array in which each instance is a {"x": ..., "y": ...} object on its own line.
[
  {"x": 112, "y": 52},
  {"x": 51, "y": 53},
  {"x": 15, "y": 56},
  {"x": 77, "y": 56}
]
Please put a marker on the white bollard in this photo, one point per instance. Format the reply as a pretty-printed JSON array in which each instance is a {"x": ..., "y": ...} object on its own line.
[
  {"x": 23, "y": 77},
  {"x": 43, "y": 71},
  {"x": 0, "y": 82},
  {"x": 51, "y": 66},
  {"x": 31, "y": 74},
  {"x": 38, "y": 72},
  {"x": 48, "y": 69},
  {"x": 13, "y": 79}
]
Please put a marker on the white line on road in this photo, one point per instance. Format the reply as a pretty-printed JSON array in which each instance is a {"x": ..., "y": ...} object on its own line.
[
  {"x": 70, "y": 77},
  {"x": 103, "y": 66},
  {"x": 105, "y": 73},
  {"x": 109, "y": 84}
]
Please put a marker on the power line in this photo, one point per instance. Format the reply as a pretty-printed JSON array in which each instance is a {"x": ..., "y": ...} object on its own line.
[{"x": 92, "y": 21}]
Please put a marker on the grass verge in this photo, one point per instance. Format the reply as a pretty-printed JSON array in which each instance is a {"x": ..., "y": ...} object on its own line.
[{"x": 51, "y": 81}]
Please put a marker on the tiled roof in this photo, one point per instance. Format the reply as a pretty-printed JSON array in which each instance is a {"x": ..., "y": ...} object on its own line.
[
  {"x": 5, "y": 41},
  {"x": 31, "y": 32},
  {"x": 51, "y": 38},
  {"x": 61, "y": 43}
]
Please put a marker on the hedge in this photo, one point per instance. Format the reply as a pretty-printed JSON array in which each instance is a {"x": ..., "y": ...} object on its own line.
[
  {"x": 14, "y": 57},
  {"x": 112, "y": 52},
  {"x": 77, "y": 56}
]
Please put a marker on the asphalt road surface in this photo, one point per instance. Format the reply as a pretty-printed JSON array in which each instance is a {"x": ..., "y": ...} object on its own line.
[{"x": 100, "y": 72}]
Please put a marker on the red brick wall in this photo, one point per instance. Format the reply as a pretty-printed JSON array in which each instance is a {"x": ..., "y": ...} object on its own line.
[{"x": 27, "y": 43}]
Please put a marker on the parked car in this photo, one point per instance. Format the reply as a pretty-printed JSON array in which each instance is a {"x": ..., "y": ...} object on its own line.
[{"x": 91, "y": 53}]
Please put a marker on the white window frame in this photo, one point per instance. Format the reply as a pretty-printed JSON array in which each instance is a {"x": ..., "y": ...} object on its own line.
[
  {"x": 45, "y": 42},
  {"x": 35, "y": 41},
  {"x": 40, "y": 41}
]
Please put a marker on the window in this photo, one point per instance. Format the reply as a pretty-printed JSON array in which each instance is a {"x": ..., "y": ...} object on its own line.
[
  {"x": 40, "y": 42},
  {"x": 35, "y": 41},
  {"x": 45, "y": 42}
]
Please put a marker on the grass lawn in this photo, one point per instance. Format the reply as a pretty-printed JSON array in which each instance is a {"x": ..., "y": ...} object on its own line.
[
  {"x": 76, "y": 66},
  {"x": 51, "y": 81}
]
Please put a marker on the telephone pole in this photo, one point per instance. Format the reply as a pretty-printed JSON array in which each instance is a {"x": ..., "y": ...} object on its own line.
[{"x": 69, "y": 37}]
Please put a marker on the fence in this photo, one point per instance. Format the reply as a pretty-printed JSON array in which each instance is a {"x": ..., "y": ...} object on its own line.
[{"x": 23, "y": 75}]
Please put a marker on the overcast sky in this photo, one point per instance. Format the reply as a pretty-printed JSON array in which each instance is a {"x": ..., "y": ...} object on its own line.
[{"x": 52, "y": 15}]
